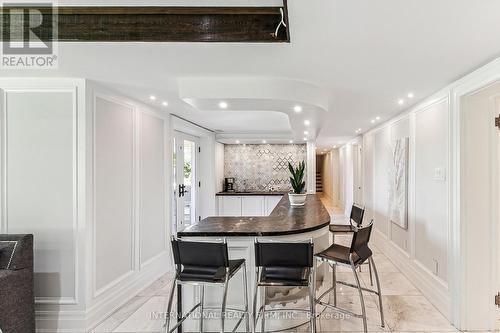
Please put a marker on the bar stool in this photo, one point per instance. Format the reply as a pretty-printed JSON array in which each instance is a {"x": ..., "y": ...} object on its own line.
[
  {"x": 202, "y": 264},
  {"x": 353, "y": 256},
  {"x": 284, "y": 265},
  {"x": 355, "y": 221}
]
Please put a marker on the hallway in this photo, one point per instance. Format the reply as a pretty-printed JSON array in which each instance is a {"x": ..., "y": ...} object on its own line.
[{"x": 406, "y": 310}]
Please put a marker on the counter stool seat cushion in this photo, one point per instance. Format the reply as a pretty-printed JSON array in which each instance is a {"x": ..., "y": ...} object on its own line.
[
  {"x": 341, "y": 228},
  {"x": 340, "y": 254},
  {"x": 209, "y": 273},
  {"x": 285, "y": 276}
]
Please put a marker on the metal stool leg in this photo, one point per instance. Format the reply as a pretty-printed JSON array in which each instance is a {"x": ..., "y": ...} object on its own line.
[
  {"x": 169, "y": 306},
  {"x": 255, "y": 293},
  {"x": 223, "y": 309},
  {"x": 263, "y": 319},
  {"x": 370, "y": 269},
  {"x": 379, "y": 292},
  {"x": 202, "y": 298},
  {"x": 334, "y": 283},
  {"x": 363, "y": 310},
  {"x": 245, "y": 297},
  {"x": 312, "y": 298}
]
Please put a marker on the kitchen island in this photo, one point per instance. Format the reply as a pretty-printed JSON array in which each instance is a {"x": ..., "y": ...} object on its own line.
[{"x": 286, "y": 223}]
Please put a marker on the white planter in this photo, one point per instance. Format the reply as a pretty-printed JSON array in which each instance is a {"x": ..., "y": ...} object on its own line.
[{"x": 297, "y": 199}]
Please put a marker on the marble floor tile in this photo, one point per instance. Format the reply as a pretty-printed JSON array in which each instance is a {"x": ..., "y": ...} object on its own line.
[
  {"x": 331, "y": 321},
  {"x": 142, "y": 319},
  {"x": 392, "y": 284},
  {"x": 384, "y": 265},
  {"x": 414, "y": 314},
  {"x": 120, "y": 315},
  {"x": 107, "y": 326},
  {"x": 158, "y": 285}
]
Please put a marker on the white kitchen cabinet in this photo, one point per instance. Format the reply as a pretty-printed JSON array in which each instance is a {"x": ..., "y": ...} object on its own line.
[
  {"x": 247, "y": 205},
  {"x": 229, "y": 205},
  {"x": 252, "y": 205},
  {"x": 270, "y": 202}
]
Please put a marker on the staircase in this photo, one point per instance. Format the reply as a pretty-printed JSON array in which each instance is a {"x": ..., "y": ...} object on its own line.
[{"x": 319, "y": 182}]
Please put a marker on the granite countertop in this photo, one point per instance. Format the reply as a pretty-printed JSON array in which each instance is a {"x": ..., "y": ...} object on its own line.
[
  {"x": 284, "y": 220},
  {"x": 236, "y": 193}
]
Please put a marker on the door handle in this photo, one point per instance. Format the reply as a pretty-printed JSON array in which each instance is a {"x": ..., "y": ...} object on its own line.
[{"x": 182, "y": 190}]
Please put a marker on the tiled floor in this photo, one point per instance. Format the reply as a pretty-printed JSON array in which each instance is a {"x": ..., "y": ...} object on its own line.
[{"x": 406, "y": 310}]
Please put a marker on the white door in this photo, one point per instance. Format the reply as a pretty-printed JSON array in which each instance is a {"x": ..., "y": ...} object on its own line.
[
  {"x": 497, "y": 194},
  {"x": 357, "y": 175},
  {"x": 185, "y": 180}
]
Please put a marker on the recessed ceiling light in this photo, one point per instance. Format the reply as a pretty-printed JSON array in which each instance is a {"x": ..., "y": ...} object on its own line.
[
  {"x": 152, "y": 97},
  {"x": 401, "y": 102},
  {"x": 305, "y": 139},
  {"x": 307, "y": 122},
  {"x": 165, "y": 103},
  {"x": 373, "y": 121},
  {"x": 291, "y": 141},
  {"x": 297, "y": 108},
  {"x": 306, "y": 132},
  {"x": 237, "y": 141},
  {"x": 411, "y": 95},
  {"x": 334, "y": 147},
  {"x": 264, "y": 141},
  {"x": 377, "y": 118},
  {"x": 223, "y": 105}
]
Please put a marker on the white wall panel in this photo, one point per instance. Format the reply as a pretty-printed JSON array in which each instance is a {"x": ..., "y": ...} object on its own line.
[
  {"x": 152, "y": 184},
  {"x": 368, "y": 163},
  {"x": 382, "y": 156},
  {"x": 431, "y": 190},
  {"x": 40, "y": 184},
  {"x": 114, "y": 199},
  {"x": 400, "y": 129}
]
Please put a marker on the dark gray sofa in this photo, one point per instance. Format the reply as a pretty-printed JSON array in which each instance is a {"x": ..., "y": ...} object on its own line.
[{"x": 17, "y": 302}]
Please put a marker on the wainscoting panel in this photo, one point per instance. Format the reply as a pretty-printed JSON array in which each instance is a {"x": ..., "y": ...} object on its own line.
[
  {"x": 40, "y": 184},
  {"x": 114, "y": 188},
  {"x": 152, "y": 187}
]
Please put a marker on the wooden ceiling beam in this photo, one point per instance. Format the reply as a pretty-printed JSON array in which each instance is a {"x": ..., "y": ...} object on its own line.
[{"x": 166, "y": 24}]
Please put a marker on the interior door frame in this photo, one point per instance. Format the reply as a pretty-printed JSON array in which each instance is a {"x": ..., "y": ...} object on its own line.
[
  {"x": 467, "y": 301},
  {"x": 179, "y": 137}
]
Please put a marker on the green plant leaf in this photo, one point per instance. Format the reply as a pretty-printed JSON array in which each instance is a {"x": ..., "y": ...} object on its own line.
[{"x": 297, "y": 177}]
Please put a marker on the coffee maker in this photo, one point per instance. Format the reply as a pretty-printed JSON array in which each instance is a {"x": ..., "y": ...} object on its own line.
[{"x": 229, "y": 185}]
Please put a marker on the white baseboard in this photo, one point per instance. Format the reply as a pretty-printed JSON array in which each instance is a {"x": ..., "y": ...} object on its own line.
[
  {"x": 105, "y": 305},
  {"x": 60, "y": 321},
  {"x": 432, "y": 287}
]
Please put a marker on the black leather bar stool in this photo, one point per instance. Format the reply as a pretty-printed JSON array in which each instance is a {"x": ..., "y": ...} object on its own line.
[
  {"x": 284, "y": 265},
  {"x": 353, "y": 256},
  {"x": 202, "y": 264},
  {"x": 355, "y": 221}
]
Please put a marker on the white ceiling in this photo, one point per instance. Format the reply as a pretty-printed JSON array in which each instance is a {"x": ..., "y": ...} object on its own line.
[{"x": 362, "y": 55}]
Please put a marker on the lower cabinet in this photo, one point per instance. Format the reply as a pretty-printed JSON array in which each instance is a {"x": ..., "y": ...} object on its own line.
[
  {"x": 247, "y": 205},
  {"x": 252, "y": 206},
  {"x": 229, "y": 205}
]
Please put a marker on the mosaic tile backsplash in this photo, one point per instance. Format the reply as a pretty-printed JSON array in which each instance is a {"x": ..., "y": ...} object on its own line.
[{"x": 262, "y": 167}]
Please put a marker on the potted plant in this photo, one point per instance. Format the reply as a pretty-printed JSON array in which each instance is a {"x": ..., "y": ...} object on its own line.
[{"x": 298, "y": 197}]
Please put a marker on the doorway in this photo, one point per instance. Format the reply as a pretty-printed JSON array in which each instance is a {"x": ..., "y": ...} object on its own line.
[
  {"x": 479, "y": 209},
  {"x": 357, "y": 158},
  {"x": 185, "y": 169}
]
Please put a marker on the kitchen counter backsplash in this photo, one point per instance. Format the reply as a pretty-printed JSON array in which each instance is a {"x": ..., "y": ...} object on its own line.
[{"x": 262, "y": 167}]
